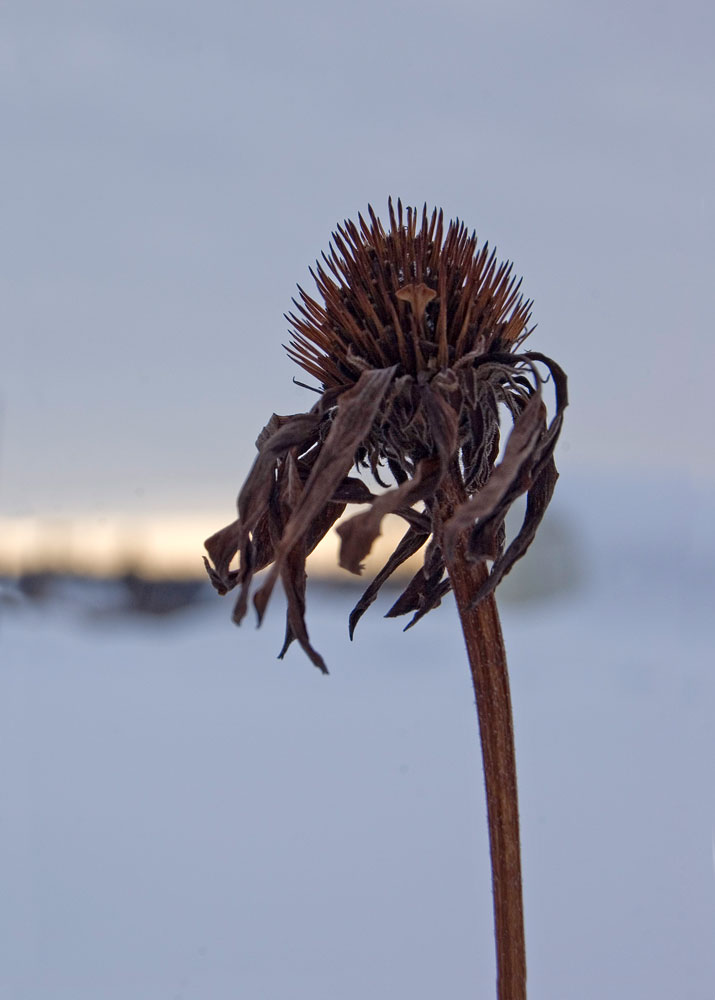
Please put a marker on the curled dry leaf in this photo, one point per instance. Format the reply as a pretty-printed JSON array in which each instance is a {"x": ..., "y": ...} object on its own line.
[{"x": 416, "y": 348}]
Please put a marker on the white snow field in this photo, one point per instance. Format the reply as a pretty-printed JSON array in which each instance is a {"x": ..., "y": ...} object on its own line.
[{"x": 184, "y": 816}]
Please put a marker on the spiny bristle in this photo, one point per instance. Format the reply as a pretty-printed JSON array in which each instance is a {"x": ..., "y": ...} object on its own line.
[{"x": 404, "y": 296}]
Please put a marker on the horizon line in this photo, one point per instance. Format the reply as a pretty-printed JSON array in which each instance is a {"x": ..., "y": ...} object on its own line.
[{"x": 154, "y": 546}]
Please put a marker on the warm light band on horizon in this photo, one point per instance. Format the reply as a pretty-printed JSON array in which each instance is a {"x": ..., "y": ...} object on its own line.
[{"x": 152, "y": 546}]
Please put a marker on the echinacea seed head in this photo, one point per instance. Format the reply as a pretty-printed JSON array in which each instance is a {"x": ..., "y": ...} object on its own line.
[
  {"x": 418, "y": 298},
  {"x": 415, "y": 344}
]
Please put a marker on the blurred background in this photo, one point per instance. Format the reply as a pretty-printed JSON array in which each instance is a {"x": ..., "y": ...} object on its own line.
[{"x": 183, "y": 817}]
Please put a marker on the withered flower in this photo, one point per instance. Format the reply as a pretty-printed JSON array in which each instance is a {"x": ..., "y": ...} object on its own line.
[{"x": 416, "y": 344}]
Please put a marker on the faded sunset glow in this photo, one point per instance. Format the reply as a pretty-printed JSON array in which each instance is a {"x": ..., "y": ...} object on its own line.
[{"x": 153, "y": 546}]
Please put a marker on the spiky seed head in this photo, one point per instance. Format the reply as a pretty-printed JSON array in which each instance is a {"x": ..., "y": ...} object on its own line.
[{"x": 418, "y": 298}]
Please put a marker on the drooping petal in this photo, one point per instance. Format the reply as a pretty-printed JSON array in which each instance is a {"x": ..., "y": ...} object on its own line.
[
  {"x": 222, "y": 546},
  {"x": 411, "y": 542},
  {"x": 358, "y": 534},
  {"x": 293, "y": 431},
  {"x": 293, "y": 575},
  {"x": 544, "y": 477},
  {"x": 433, "y": 599},
  {"x": 355, "y": 413},
  {"x": 506, "y": 481},
  {"x": 278, "y": 436},
  {"x": 537, "y": 500},
  {"x": 421, "y": 592}
]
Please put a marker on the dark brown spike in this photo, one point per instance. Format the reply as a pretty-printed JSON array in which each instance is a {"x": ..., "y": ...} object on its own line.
[
  {"x": 442, "y": 320},
  {"x": 376, "y": 230},
  {"x": 438, "y": 236},
  {"x": 432, "y": 223},
  {"x": 407, "y": 360},
  {"x": 393, "y": 219},
  {"x": 411, "y": 224},
  {"x": 330, "y": 264}
]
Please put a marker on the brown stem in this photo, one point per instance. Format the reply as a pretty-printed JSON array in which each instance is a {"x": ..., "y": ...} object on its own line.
[{"x": 487, "y": 659}]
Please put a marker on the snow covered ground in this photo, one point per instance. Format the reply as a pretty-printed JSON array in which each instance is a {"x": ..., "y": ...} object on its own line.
[{"x": 183, "y": 816}]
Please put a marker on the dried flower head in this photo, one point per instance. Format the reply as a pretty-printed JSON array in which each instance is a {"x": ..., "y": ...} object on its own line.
[{"x": 416, "y": 346}]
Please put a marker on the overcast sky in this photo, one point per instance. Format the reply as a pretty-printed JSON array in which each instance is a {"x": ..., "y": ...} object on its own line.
[{"x": 170, "y": 171}]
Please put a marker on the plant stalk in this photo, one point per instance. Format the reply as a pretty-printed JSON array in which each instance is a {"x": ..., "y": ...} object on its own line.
[{"x": 487, "y": 659}]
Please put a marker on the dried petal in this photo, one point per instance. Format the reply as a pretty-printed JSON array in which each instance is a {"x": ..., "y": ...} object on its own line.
[
  {"x": 432, "y": 600},
  {"x": 506, "y": 481},
  {"x": 222, "y": 547},
  {"x": 411, "y": 542},
  {"x": 421, "y": 592},
  {"x": 294, "y": 431},
  {"x": 359, "y": 533},
  {"x": 537, "y": 501},
  {"x": 356, "y": 411},
  {"x": 293, "y": 573}
]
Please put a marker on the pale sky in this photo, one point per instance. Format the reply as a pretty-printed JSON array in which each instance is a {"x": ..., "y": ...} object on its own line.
[{"x": 170, "y": 171}]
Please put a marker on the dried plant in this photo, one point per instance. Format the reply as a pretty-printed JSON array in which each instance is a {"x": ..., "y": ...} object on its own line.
[{"x": 417, "y": 349}]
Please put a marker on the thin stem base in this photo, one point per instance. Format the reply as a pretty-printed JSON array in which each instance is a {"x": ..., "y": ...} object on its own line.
[{"x": 487, "y": 659}]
